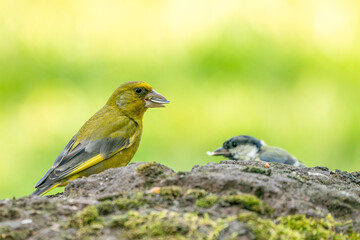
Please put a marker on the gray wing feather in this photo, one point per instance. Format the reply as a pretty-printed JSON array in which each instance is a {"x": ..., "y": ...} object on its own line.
[
  {"x": 277, "y": 155},
  {"x": 68, "y": 161},
  {"x": 57, "y": 161},
  {"x": 112, "y": 145}
]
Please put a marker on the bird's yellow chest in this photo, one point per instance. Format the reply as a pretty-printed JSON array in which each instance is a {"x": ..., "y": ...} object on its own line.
[{"x": 123, "y": 157}]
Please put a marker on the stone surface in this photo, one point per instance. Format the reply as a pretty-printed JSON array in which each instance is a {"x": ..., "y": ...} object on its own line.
[{"x": 214, "y": 201}]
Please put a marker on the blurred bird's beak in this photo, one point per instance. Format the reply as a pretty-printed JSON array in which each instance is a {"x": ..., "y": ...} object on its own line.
[
  {"x": 220, "y": 152},
  {"x": 154, "y": 99}
]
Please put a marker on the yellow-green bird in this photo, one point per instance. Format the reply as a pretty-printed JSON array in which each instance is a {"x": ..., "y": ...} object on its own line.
[{"x": 108, "y": 139}]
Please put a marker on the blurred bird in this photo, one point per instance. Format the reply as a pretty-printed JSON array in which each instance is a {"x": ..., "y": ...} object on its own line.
[
  {"x": 108, "y": 139},
  {"x": 249, "y": 148}
]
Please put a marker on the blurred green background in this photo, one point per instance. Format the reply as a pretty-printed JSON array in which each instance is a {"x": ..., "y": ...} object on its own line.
[{"x": 283, "y": 71}]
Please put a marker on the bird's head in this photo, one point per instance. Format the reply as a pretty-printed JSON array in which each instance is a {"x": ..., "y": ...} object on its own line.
[
  {"x": 241, "y": 147},
  {"x": 134, "y": 98}
]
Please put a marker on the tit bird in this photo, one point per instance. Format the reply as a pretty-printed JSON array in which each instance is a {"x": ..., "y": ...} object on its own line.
[
  {"x": 108, "y": 139},
  {"x": 245, "y": 147}
]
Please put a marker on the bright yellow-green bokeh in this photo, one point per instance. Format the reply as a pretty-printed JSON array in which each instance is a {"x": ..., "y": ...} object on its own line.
[{"x": 287, "y": 72}]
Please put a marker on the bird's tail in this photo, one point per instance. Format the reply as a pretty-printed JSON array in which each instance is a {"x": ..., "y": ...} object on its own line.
[
  {"x": 37, "y": 192},
  {"x": 43, "y": 190}
]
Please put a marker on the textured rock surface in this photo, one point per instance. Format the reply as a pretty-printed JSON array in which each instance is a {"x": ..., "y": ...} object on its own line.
[{"x": 227, "y": 200}]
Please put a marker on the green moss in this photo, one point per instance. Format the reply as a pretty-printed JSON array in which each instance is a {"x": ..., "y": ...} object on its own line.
[
  {"x": 170, "y": 192},
  {"x": 207, "y": 201},
  {"x": 111, "y": 196},
  {"x": 353, "y": 235},
  {"x": 89, "y": 215},
  {"x": 295, "y": 178},
  {"x": 151, "y": 172},
  {"x": 44, "y": 205},
  {"x": 118, "y": 221},
  {"x": 197, "y": 193},
  {"x": 258, "y": 170},
  {"x": 245, "y": 217},
  {"x": 9, "y": 214},
  {"x": 131, "y": 202},
  {"x": 87, "y": 223},
  {"x": 105, "y": 207},
  {"x": 162, "y": 228},
  {"x": 246, "y": 201},
  {"x": 152, "y": 169},
  {"x": 7, "y": 233},
  {"x": 92, "y": 231},
  {"x": 295, "y": 227},
  {"x": 167, "y": 225},
  {"x": 85, "y": 217}
]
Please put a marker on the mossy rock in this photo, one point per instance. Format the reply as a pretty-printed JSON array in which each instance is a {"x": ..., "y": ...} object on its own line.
[
  {"x": 207, "y": 201},
  {"x": 171, "y": 192},
  {"x": 6, "y": 233},
  {"x": 11, "y": 214},
  {"x": 246, "y": 201},
  {"x": 166, "y": 225},
  {"x": 152, "y": 169},
  {"x": 214, "y": 201},
  {"x": 105, "y": 207},
  {"x": 197, "y": 193},
  {"x": 296, "y": 227},
  {"x": 151, "y": 172},
  {"x": 257, "y": 170},
  {"x": 133, "y": 201},
  {"x": 83, "y": 218}
]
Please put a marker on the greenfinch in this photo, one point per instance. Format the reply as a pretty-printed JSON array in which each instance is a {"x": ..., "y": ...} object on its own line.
[
  {"x": 245, "y": 147},
  {"x": 108, "y": 139}
]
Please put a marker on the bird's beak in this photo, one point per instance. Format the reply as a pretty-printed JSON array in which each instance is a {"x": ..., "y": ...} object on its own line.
[
  {"x": 220, "y": 152},
  {"x": 154, "y": 99}
]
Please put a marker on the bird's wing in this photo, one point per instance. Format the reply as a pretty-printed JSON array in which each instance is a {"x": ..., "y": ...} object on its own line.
[
  {"x": 78, "y": 156},
  {"x": 61, "y": 156},
  {"x": 277, "y": 155}
]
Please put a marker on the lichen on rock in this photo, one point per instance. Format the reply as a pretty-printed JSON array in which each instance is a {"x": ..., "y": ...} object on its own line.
[{"x": 227, "y": 200}]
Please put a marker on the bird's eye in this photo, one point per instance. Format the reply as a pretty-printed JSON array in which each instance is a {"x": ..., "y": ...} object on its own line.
[
  {"x": 138, "y": 90},
  {"x": 234, "y": 144}
]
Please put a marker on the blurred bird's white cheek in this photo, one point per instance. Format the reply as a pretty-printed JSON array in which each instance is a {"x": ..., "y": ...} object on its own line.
[{"x": 252, "y": 154}]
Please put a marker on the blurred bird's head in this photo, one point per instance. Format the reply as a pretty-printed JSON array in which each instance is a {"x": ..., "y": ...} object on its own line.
[
  {"x": 134, "y": 98},
  {"x": 241, "y": 147}
]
